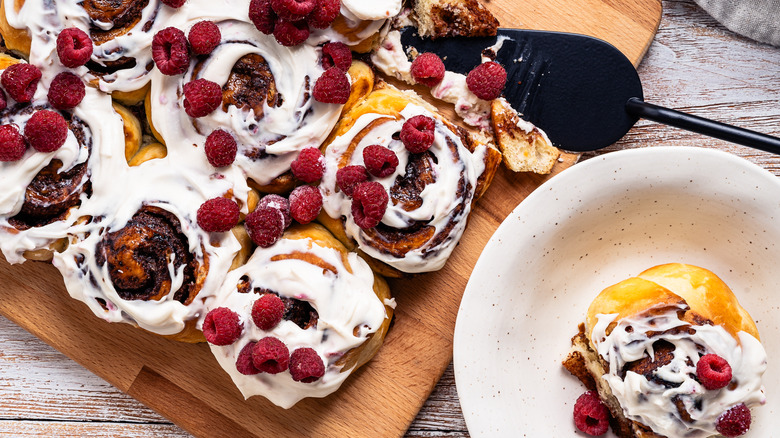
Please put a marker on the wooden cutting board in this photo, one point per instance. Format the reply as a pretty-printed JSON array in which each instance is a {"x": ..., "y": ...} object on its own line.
[{"x": 184, "y": 383}]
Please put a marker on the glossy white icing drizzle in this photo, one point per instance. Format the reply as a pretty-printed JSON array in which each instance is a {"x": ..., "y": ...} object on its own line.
[
  {"x": 370, "y": 10},
  {"x": 651, "y": 403},
  {"x": 282, "y": 132},
  {"x": 439, "y": 199},
  {"x": 342, "y": 300}
]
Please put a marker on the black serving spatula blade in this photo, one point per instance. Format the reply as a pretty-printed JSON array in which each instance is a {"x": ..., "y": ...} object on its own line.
[{"x": 582, "y": 91}]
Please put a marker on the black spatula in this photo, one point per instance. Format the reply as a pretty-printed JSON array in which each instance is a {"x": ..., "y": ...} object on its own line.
[{"x": 582, "y": 91}]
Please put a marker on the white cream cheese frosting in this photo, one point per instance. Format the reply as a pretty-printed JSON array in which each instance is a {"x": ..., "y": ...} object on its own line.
[
  {"x": 371, "y": 10},
  {"x": 348, "y": 313},
  {"x": 651, "y": 403}
]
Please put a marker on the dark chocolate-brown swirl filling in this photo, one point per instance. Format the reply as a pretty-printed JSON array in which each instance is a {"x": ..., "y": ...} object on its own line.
[{"x": 139, "y": 254}]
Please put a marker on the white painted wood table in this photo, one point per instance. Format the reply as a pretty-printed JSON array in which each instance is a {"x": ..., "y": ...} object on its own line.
[{"x": 694, "y": 65}]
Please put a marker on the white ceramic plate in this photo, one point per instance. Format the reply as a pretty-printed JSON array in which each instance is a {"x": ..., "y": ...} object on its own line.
[{"x": 593, "y": 225}]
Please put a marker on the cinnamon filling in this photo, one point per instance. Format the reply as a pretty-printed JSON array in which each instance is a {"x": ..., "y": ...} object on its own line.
[
  {"x": 52, "y": 193},
  {"x": 251, "y": 86},
  {"x": 139, "y": 255},
  {"x": 122, "y": 14}
]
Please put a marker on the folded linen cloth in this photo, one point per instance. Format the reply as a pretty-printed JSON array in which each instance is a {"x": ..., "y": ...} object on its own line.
[{"x": 756, "y": 19}]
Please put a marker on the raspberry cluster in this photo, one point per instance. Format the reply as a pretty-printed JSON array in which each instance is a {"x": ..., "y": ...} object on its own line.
[
  {"x": 275, "y": 213},
  {"x": 291, "y": 21},
  {"x": 46, "y": 131}
]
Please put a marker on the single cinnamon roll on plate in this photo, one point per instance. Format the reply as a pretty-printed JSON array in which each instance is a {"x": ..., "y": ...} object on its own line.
[
  {"x": 430, "y": 193},
  {"x": 298, "y": 318}
]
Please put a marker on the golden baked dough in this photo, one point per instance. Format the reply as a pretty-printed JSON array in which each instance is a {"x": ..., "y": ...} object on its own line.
[{"x": 17, "y": 40}]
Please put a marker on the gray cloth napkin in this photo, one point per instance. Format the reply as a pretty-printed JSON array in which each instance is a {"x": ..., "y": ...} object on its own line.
[{"x": 756, "y": 19}]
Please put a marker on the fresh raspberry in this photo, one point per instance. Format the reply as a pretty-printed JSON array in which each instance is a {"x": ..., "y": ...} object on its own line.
[
  {"x": 487, "y": 80},
  {"x": 290, "y": 33},
  {"x": 218, "y": 215},
  {"x": 309, "y": 165},
  {"x": 734, "y": 422},
  {"x": 347, "y": 178},
  {"x": 12, "y": 146},
  {"x": 66, "y": 91},
  {"x": 280, "y": 203},
  {"x": 713, "y": 371},
  {"x": 369, "y": 203},
  {"x": 336, "y": 55},
  {"x": 244, "y": 363},
  {"x": 332, "y": 87},
  {"x": 306, "y": 365},
  {"x": 201, "y": 97},
  {"x": 271, "y": 356},
  {"x": 262, "y": 16},
  {"x": 380, "y": 161},
  {"x": 74, "y": 47},
  {"x": 428, "y": 69},
  {"x": 305, "y": 204},
  {"x": 3, "y": 100},
  {"x": 293, "y": 10},
  {"x": 176, "y": 4},
  {"x": 204, "y": 37},
  {"x": 267, "y": 312},
  {"x": 169, "y": 51},
  {"x": 46, "y": 131},
  {"x": 590, "y": 414},
  {"x": 417, "y": 134},
  {"x": 265, "y": 226},
  {"x": 324, "y": 14},
  {"x": 222, "y": 326},
  {"x": 21, "y": 81},
  {"x": 221, "y": 148}
]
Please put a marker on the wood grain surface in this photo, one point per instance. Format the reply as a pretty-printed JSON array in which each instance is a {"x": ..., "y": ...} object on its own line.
[{"x": 694, "y": 65}]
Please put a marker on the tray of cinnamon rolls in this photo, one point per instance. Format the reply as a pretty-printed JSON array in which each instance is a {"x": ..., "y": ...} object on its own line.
[{"x": 243, "y": 175}]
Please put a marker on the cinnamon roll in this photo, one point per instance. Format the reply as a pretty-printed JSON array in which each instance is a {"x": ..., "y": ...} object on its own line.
[
  {"x": 431, "y": 193},
  {"x": 121, "y": 33},
  {"x": 330, "y": 305},
  {"x": 670, "y": 351},
  {"x": 360, "y": 23},
  {"x": 267, "y": 103}
]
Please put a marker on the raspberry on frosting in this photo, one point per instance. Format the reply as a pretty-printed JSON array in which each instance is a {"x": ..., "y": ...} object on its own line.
[
  {"x": 348, "y": 177},
  {"x": 590, "y": 414},
  {"x": 336, "y": 55},
  {"x": 380, "y": 161},
  {"x": 324, "y": 14},
  {"x": 487, "y": 80},
  {"x": 293, "y": 10},
  {"x": 222, "y": 326},
  {"x": 46, "y": 131},
  {"x": 734, "y": 422},
  {"x": 21, "y": 81},
  {"x": 332, "y": 87},
  {"x": 170, "y": 52},
  {"x": 280, "y": 203},
  {"x": 369, "y": 203},
  {"x": 428, "y": 69},
  {"x": 306, "y": 365},
  {"x": 176, "y": 4},
  {"x": 74, "y": 47},
  {"x": 201, "y": 97},
  {"x": 290, "y": 33},
  {"x": 265, "y": 226},
  {"x": 3, "y": 100},
  {"x": 12, "y": 145},
  {"x": 262, "y": 16},
  {"x": 417, "y": 134},
  {"x": 218, "y": 215},
  {"x": 66, "y": 91},
  {"x": 221, "y": 148},
  {"x": 305, "y": 204},
  {"x": 309, "y": 165},
  {"x": 244, "y": 363},
  {"x": 271, "y": 356},
  {"x": 267, "y": 311},
  {"x": 713, "y": 371},
  {"x": 204, "y": 37}
]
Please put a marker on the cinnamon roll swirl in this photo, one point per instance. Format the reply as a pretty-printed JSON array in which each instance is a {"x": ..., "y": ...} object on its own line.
[
  {"x": 331, "y": 304},
  {"x": 431, "y": 193},
  {"x": 267, "y": 103},
  {"x": 121, "y": 32}
]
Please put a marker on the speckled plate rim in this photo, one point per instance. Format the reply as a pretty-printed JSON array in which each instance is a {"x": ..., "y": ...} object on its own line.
[{"x": 597, "y": 223}]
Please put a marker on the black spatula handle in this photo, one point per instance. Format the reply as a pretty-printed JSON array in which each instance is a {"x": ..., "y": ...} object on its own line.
[{"x": 640, "y": 108}]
